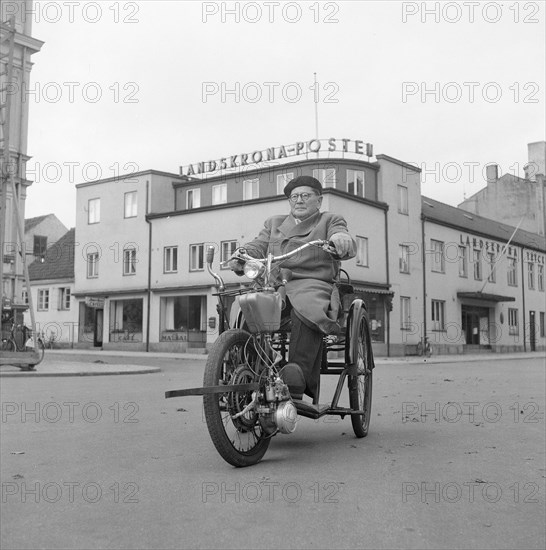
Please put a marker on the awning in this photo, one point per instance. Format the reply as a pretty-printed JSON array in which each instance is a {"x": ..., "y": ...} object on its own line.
[
  {"x": 372, "y": 290},
  {"x": 485, "y": 296}
]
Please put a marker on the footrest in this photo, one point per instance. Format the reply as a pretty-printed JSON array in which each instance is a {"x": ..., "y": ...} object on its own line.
[{"x": 310, "y": 410}]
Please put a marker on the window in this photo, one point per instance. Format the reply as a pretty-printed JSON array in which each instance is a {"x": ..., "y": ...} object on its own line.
[
  {"x": 93, "y": 211},
  {"x": 227, "y": 248},
  {"x": 541, "y": 321},
  {"x": 405, "y": 312},
  {"x": 491, "y": 262},
  {"x": 402, "y": 199},
  {"x": 193, "y": 198},
  {"x": 403, "y": 258},
  {"x": 170, "y": 259},
  {"x": 24, "y": 296},
  {"x": 43, "y": 299},
  {"x": 540, "y": 277},
  {"x": 463, "y": 262},
  {"x": 251, "y": 189},
  {"x": 196, "y": 257},
  {"x": 130, "y": 204},
  {"x": 282, "y": 180},
  {"x": 477, "y": 260},
  {"x": 513, "y": 321},
  {"x": 355, "y": 182},
  {"x": 64, "y": 299},
  {"x": 92, "y": 265},
  {"x": 40, "y": 245},
  {"x": 438, "y": 315},
  {"x": 326, "y": 176},
  {"x": 219, "y": 193},
  {"x": 362, "y": 251},
  {"x": 129, "y": 261},
  {"x": 126, "y": 320},
  {"x": 512, "y": 271},
  {"x": 437, "y": 256},
  {"x": 531, "y": 275}
]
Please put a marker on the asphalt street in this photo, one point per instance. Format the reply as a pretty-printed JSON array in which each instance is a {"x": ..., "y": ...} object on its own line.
[{"x": 455, "y": 458}]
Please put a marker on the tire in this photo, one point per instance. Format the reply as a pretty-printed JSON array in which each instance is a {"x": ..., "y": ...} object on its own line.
[
  {"x": 428, "y": 350},
  {"x": 420, "y": 349},
  {"x": 240, "y": 442},
  {"x": 360, "y": 352}
]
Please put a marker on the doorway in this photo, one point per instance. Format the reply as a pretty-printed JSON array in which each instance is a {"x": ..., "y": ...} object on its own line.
[
  {"x": 475, "y": 325},
  {"x": 99, "y": 318}
]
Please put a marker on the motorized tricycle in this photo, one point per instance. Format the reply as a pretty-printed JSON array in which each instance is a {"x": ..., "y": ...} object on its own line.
[{"x": 246, "y": 401}]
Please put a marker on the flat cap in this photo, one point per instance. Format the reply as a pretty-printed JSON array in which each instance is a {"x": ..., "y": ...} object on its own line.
[{"x": 301, "y": 181}]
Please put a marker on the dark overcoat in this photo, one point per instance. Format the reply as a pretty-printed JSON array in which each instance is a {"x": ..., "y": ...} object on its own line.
[{"x": 313, "y": 270}]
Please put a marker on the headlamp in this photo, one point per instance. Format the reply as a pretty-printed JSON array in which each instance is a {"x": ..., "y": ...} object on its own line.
[{"x": 253, "y": 269}]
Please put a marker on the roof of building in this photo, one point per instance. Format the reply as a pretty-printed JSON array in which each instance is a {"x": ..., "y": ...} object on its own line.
[
  {"x": 58, "y": 261},
  {"x": 33, "y": 222},
  {"x": 472, "y": 223}
]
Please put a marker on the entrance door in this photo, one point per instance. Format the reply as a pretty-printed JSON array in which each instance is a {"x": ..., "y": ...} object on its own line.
[
  {"x": 532, "y": 331},
  {"x": 475, "y": 325},
  {"x": 99, "y": 317}
]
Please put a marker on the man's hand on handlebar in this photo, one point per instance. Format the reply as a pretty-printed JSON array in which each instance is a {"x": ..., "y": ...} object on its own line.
[{"x": 342, "y": 243}]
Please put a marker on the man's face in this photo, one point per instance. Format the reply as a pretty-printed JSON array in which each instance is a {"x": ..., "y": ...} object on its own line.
[{"x": 300, "y": 208}]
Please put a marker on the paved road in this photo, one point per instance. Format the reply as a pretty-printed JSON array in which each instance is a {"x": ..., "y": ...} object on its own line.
[{"x": 455, "y": 459}]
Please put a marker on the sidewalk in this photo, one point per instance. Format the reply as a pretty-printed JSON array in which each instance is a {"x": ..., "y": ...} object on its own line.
[{"x": 95, "y": 366}]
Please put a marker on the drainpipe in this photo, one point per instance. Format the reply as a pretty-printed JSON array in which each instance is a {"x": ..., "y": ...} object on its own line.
[
  {"x": 388, "y": 318},
  {"x": 149, "y": 289},
  {"x": 423, "y": 259},
  {"x": 523, "y": 300}
]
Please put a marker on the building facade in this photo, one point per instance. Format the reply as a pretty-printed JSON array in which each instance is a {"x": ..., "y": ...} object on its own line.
[{"x": 141, "y": 280}]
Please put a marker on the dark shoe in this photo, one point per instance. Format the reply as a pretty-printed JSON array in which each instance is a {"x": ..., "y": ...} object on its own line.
[{"x": 292, "y": 376}]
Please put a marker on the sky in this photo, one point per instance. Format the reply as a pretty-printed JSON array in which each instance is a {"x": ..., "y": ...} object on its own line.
[{"x": 123, "y": 86}]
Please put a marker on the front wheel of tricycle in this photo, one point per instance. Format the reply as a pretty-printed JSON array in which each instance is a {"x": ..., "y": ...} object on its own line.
[
  {"x": 240, "y": 441},
  {"x": 360, "y": 353}
]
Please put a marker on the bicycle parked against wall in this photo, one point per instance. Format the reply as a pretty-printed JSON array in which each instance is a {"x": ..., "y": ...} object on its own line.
[
  {"x": 21, "y": 338},
  {"x": 246, "y": 402},
  {"x": 424, "y": 347}
]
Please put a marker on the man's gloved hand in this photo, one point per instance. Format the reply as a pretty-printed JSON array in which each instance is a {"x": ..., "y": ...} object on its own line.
[
  {"x": 343, "y": 244},
  {"x": 236, "y": 266}
]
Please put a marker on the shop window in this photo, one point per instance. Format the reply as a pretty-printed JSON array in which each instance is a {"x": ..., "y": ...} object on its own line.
[
  {"x": 405, "y": 313},
  {"x": 362, "y": 251},
  {"x": 251, "y": 189},
  {"x": 193, "y": 198},
  {"x": 126, "y": 320},
  {"x": 355, "y": 182},
  {"x": 196, "y": 257},
  {"x": 130, "y": 204},
  {"x": 92, "y": 265},
  {"x": 183, "y": 318},
  {"x": 437, "y": 249},
  {"x": 513, "y": 327},
  {"x": 402, "y": 199},
  {"x": 403, "y": 258},
  {"x": 170, "y": 259},
  {"x": 219, "y": 193},
  {"x": 43, "y": 299},
  {"x": 438, "y": 314},
  {"x": 512, "y": 271},
  {"x": 129, "y": 261},
  {"x": 93, "y": 211},
  {"x": 282, "y": 180},
  {"x": 64, "y": 299},
  {"x": 463, "y": 261},
  {"x": 227, "y": 249}
]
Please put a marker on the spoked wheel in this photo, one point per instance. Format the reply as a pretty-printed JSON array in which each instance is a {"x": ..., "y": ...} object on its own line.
[
  {"x": 240, "y": 441},
  {"x": 40, "y": 350},
  {"x": 359, "y": 351}
]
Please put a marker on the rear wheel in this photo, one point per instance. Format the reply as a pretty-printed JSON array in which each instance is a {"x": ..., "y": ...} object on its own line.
[
  {"x": 240, "y": 441},
  {"x": 360, "y": 353},
  {"x": 40, "y": 350}
]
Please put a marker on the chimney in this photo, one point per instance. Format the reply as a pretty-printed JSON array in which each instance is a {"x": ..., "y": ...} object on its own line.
[
  {"x": 537, "y": 160},
  {"x": 492, "y": 173}
]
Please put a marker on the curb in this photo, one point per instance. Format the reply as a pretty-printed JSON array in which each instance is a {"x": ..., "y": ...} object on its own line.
[{"x": 80, "y": 369}]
